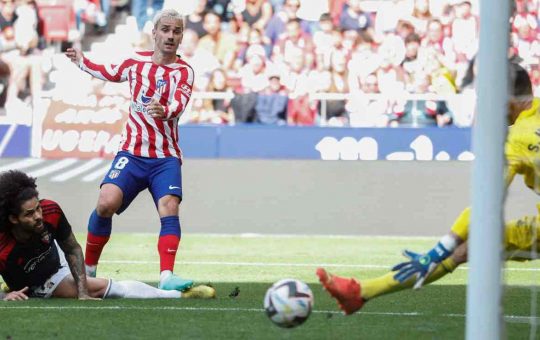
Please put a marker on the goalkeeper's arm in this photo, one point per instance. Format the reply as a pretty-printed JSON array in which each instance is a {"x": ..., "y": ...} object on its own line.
[{"x": 422, "y": 265}]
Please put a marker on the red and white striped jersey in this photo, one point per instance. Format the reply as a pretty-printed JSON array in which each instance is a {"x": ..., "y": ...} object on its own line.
[{"x": 170, "y": 84}]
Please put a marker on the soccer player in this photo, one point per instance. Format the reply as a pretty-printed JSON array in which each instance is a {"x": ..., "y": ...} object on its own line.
[
  {"x": 149, "y": 157},
  {"x": 34, "y": 236},
  {"x": 521, "y": 236}
]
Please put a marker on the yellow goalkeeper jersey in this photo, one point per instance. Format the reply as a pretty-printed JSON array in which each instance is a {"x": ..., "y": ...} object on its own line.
[
  {"x": 522, "y": 147},
  {"x": 522, "y": 150}
]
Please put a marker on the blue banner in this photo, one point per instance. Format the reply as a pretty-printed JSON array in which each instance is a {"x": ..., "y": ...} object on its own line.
[
  {"x": 15, "y": 140},
  {"x": 288, "y": 142}
]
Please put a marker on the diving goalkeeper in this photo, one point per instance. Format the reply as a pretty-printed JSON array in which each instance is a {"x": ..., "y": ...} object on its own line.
[{"x": 521, "y": 151}]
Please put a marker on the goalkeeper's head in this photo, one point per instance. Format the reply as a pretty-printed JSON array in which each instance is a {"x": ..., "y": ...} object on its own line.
[
  {"x": 521, "y": 92},
  {"x": 16, "y": 188}
]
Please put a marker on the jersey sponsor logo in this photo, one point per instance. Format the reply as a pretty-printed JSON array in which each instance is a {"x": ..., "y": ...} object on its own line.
[
  {"x": 146, "y": 100},
  {"x": 185, "y": 89},
  {"x": 35, "y": 261},
  {"x": 136, "y": 107},
  {"x": 171, "y": 187},
  {"x": 114, "y": 174}
]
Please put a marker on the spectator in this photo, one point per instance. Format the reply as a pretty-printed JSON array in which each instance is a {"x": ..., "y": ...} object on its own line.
[
  {"x": 335, "y": 80},
  {"x": 18, "y": 39},
  {"x": 324, "y": 40},
  {"x": 139, "y": 9},
  {"x": 253, "y": 75},
  {"x": 420, "y": 17},
  {"x": 249, "y": 37},
  {"x": 465, "y": 28},
  {"x": 525, "y": 41},
  {"x": 271, "y": 107},
  {"x": 223, "y": 8},
  {"x": 292, "y": 40},
  {"x": 257, "y": 14},
  {"x": 365, "y": 111},
  {"x": 354, "y": 18},
  {"x": 219, "y": 43},
  {"x": 194, "y": 21},
  {"x": 297, "y": 81},
  {"x": 413, "y": 67},
  {"x": 202, "y": 61},
  {"x": 364, "y": 60},
  {"x": 439, "y": 46},
  {"x": 276, "y": 25},
  {"x": 336, "y": 9},
  {"x": 217, "y": 110}
]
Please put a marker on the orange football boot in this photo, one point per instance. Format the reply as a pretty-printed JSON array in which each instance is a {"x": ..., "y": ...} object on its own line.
[{"x": 345, "y": 291}]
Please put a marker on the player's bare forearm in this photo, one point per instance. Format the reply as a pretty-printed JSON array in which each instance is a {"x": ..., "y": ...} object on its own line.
[{"x": 75, "y": 260}]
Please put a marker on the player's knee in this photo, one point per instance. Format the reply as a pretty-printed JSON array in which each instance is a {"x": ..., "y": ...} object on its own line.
[
  {"x": 109, "y": 201},
  {"x": 168, "y": 205},
  {"x": 107, "y": 207}
]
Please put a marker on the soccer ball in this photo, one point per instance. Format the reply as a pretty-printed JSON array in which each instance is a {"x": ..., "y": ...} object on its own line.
[{"x": 288, "y": 303}]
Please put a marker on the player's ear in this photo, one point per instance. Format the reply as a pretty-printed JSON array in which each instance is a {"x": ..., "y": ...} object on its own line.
[{"x": 13, "y": 219}]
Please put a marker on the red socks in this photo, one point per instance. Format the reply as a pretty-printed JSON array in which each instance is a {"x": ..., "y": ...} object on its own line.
[
  {"x": 167, "y": 247},
  {"x": 94, "y": 246}
]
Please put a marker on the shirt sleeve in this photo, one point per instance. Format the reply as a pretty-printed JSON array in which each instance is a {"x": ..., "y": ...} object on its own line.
[
  {"x": 116, "y": 73},
  {"x": 53, "y": 214},
  {"x": 182, "y": 94}
]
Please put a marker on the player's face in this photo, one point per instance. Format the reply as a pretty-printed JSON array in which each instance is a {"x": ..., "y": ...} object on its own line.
[
  {"x": 30, "y": 218},
  {"x": 168, "y": 35}
]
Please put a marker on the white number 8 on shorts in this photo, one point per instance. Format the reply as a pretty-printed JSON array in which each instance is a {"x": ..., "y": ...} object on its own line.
[{"x": 121, "y": 163}]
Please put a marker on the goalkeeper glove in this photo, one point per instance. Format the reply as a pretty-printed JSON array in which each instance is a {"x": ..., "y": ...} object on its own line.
[{"x": 420, "y": 265}]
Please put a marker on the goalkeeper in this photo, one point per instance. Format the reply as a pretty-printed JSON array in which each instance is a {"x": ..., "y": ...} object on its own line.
[{"x": 521, "y": 151}]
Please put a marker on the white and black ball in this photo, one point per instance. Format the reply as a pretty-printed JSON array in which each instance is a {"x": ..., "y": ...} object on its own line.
[{"x": 288, "y": 303}]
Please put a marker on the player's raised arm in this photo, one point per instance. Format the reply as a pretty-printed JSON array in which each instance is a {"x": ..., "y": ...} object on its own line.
[{"x": 115, "y": 73}]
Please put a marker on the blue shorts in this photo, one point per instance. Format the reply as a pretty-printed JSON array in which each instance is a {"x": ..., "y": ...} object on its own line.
[{"x": 132, "y": 174}]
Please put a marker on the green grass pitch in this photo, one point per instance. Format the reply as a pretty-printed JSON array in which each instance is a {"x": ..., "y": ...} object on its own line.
[{"x": 252, "y": 263}]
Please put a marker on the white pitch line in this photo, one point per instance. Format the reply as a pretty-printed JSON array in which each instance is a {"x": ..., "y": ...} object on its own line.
[
  {"x": 22, "y": 164},
  {"x": 53, "y": 167},
  {"x": 96, "y": 174},
  {"x": 78, "y": 170},
  {"x": 511, "y": 318},
  {"x": 280, "y": 264}
]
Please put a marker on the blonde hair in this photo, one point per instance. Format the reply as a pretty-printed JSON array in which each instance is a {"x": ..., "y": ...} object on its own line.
[{"x": 168, "y": 13}]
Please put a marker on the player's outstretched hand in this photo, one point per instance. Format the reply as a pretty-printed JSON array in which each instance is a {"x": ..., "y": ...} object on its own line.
[
  {"x": 419, "y": 265},
  {"x": 74, "y": 54},
  {"x": 18, "y": 295},
  {"x": 156, "y": 110}
]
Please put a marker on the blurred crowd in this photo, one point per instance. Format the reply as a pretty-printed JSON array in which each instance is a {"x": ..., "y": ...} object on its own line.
[{"x": 276, "y": 61}]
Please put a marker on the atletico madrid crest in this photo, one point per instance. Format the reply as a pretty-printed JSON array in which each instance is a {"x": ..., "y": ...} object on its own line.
[
  {"x": 160, "y": 86},
  {"x": 114, "y": 174}
]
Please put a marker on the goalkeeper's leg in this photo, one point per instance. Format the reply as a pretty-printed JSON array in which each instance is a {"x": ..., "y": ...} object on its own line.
[
  {"x": 521, "y": 242},
  {"x": 522, "y": 238},
  {"x": 352, "y": 294}
]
